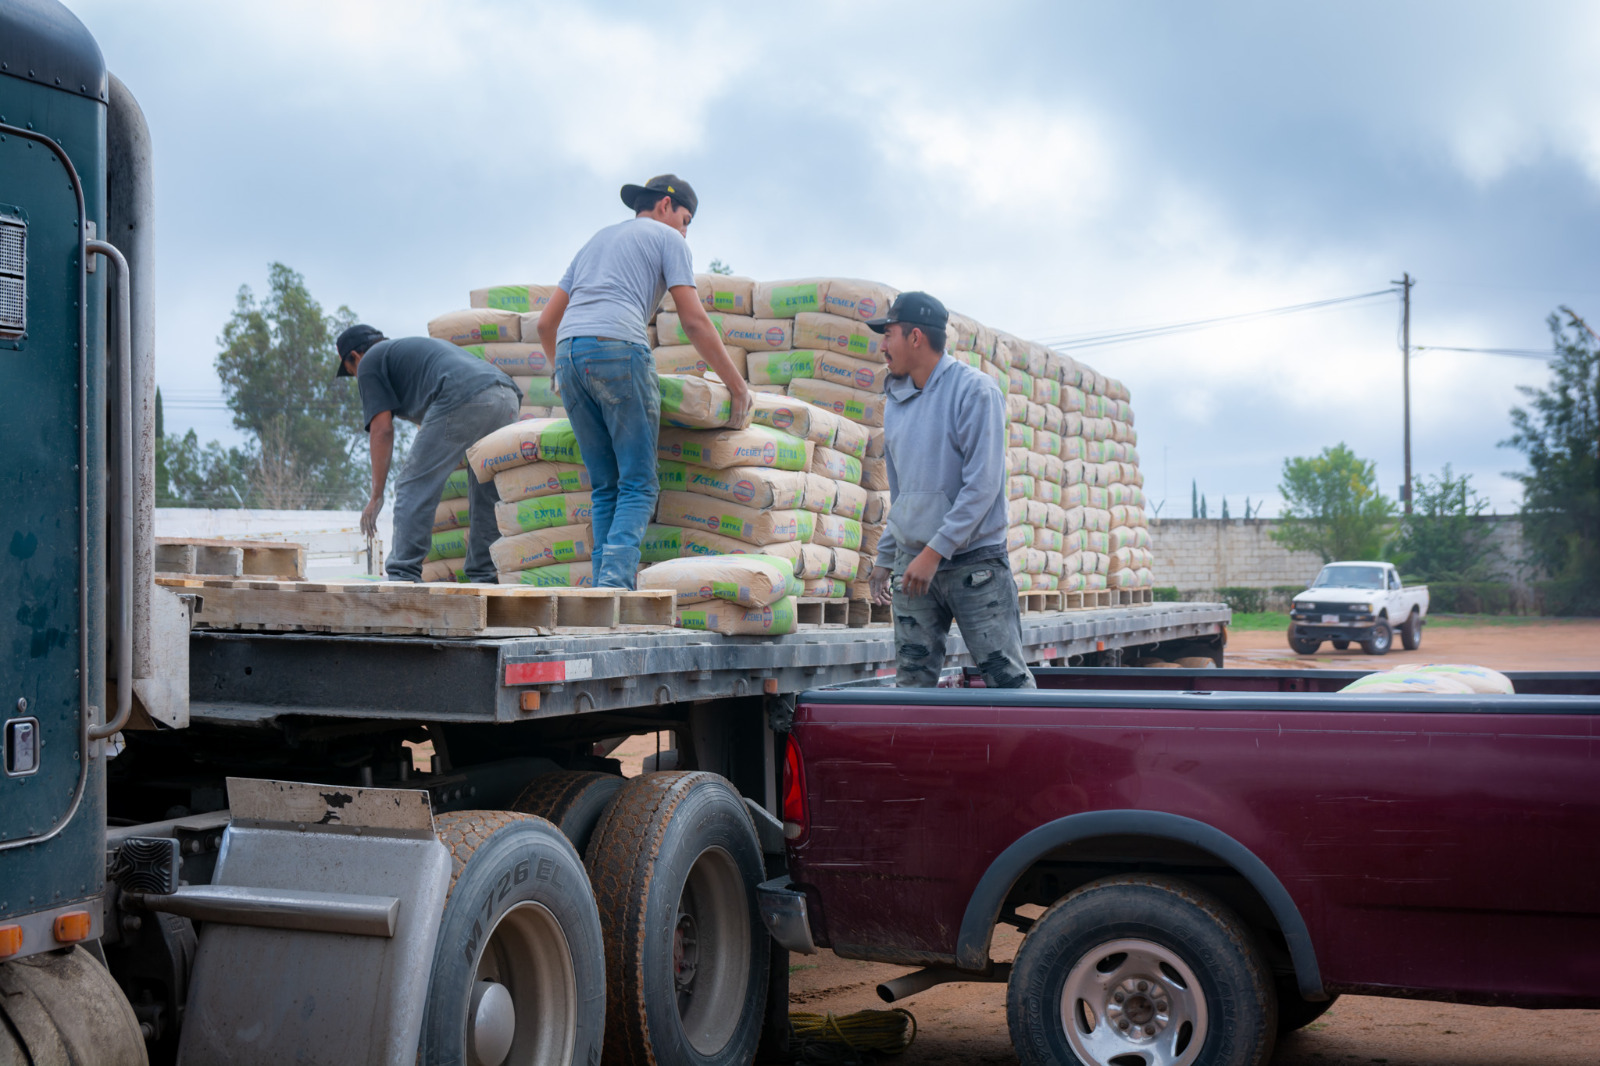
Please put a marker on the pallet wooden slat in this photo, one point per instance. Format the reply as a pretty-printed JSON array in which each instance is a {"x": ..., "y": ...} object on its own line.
[{"x": 230, "y": 558}]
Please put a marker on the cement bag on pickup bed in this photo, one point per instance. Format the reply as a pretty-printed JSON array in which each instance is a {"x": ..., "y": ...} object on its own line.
[
  {"x": 514, "y": 359},
  {"x": 559, "y": 576},
  {"x": 541, "y": 479},
  {"x": 689, "y": 402},
  {"x": 519, "y": 298},
  {"x": 445, "y": 570},
  {"x": 543, "y": 547},
  {"x": 750, "y": 580},
  {"x": 542, "y": 512},
  {"x": 449, "y": 544},
  {"x": 1398, "y": 681},
  {"x": 837, "y": 334},
  {"x": 753, "y": 486},
  {"x": 477, "y": 326},
  {"x": 450, "y": 514},
  {"x": 686, "y": 359},
  {"x": 733, "y": 620},
  {"x": 854, "y": 404},
  {"x": 693, "y": 511},
  {"x": 722, "y": 448},
  {"x": 521, "y": 443},
  {"x": 1478, "y": 678},
  {"x": 776, "y": 411}
]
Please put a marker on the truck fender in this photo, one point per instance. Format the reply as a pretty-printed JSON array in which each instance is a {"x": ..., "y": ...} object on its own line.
[{"x": 983, "y": 910}]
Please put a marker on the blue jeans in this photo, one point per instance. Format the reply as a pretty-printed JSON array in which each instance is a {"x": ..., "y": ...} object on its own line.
[
  {"x": 613, "y": 401},
  {"x": 435, "y": 452}
]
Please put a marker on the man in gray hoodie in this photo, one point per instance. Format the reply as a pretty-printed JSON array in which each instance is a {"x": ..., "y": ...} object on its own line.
[{"x": 944, "y": 552}]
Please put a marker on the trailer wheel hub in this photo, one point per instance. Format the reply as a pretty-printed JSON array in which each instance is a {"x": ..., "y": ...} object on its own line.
[{"x": 494, "y": 1022}]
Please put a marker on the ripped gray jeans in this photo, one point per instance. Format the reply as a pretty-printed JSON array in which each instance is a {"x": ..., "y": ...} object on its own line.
[{"x": 981, "y": 597}]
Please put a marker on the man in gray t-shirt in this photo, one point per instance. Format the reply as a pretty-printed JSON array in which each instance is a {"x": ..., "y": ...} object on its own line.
[
  {"x": 595, "y": 326},
  {"x": 457, "y": 399}
]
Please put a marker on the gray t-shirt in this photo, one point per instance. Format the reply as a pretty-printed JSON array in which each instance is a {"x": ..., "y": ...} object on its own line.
[
  {"x": 617, "y": 280},
  {"x": 415, "y": 376}
]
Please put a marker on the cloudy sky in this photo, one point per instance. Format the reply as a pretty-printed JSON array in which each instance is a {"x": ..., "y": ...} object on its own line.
[{"x": 1053, "y": 168}]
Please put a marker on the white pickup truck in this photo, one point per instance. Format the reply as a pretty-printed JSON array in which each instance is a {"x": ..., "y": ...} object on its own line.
[{"x": 1358, "y": 603}]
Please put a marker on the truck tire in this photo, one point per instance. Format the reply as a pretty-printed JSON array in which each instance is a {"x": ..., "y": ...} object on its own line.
[
  {"x": 1303, "y": 645},
  {"x": 519, "y": 972},
  {"x": 1379, "y": 640},
  {"x": 572, "y": 800},
  {"x": 1296, "y": 1012},
  {"x": 63, "y": 1007},
  {"x": 1411, "y": 632},
  {"x": 1140, "y": 968},
  {"x": 1340, "y": 645},
  {"x": 675, "y": 864}
]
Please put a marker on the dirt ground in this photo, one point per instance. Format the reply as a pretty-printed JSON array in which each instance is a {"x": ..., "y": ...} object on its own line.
[{"x": 966, "y": 1023}]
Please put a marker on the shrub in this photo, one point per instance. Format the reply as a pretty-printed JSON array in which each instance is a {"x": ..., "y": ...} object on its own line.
[
  {"x": 1471, "y": 597},
  {"x": 1166, "y": 594},
  {"x": 1568, "y": 596},
  {"x": 1244, "y": 600}
]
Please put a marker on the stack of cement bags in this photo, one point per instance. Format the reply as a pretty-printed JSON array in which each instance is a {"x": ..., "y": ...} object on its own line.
[
  {"x": 502, "y": 328},
  {"x": 447, "y": 556},
  {"x": 545, "y": 509}
]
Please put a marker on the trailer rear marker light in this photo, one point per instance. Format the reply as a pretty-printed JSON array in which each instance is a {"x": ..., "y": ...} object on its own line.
[
  {"x": 549, "y": 672},
  {"x": 10, "y": 940},
  {"x": 72, "y": 927}
]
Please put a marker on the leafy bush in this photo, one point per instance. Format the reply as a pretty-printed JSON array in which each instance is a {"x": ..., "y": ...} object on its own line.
[
  {"x": 1568, "y": 596},
  {"x": 1246, "y": 600},
  {"x": 1166, "y": 594},
  {"x": 1471, "y": 597}
]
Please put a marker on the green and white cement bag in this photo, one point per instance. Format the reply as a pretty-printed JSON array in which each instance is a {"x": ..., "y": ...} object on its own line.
[
  {"x": 541, "y": 479},
  {"x": 693, "y": 511},
  {"x": 456, "y": 485},
  {"x": 781, "y": 368},
  {"x": 837, "y": 334},
  {"x": 846, "y": 564},
  {"x": 542, "y": 512},
  {"x": 776, "y": 411},
  {"x": 519, "y": 298},
  {"x": 477, "y": 326},
  {"x": 689, "y": 402},
  {"x": 852, "y": 438},
  {"x": 450, "y": 514},
  {"x": 514, "y": 359},
  {"x": 559, "y": 576},
  {"x": 449, "y": 544},
  {"x": 543, "y": 547},
  {"x": 830, "y": 462},
  {"x": 734, "y": 620},
  {"x": 836, "y": 531},
  {"x": 753, "y": 486},
  {"x": 820, "y": 494},
  {"x": 529, "y": 441},
  {"x": 722, "y": 448},
  {"x": 854, "y": 404},
  {"x": 751, "y": 334},
  {"x": 724, "y": 293},
  {"x": 750, "y": 580},
  {"x": 537, "y": 391},
  {"x": 849, "y": 500},
  {"x": 686, "y": 359},
  {"x": 445, "y": 570}
]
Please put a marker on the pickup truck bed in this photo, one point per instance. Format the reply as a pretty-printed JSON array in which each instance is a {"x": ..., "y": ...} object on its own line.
[{"x": 1439, "y": 847}]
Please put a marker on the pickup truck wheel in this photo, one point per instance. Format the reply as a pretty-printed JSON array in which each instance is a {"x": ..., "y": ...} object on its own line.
[
  {"x": 675, "y": 864},
  {"x": 572, "y": 800},
  {"x": 519, "y": 973},
  {"x": 1379, "y": 639},
  {"x": 1294, "y": 1012},
  {"x": 1340, "y": 645},
  {"x": 1140, "y": 969},
  {"x": 1303, "y": 645},
  {"x": 1411, "y": 632}
]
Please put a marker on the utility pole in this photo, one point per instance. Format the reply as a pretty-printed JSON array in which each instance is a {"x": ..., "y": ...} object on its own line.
[{"x": 1406, "y": 281}]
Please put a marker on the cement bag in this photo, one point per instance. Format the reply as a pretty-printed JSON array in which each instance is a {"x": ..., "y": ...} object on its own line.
[
  {"x": 1073, "y": 583},
  {"x": 1097, "y": 497},
  {"x": 455, "y": 486},
  {"x": 1019, "y": 487},
  {"x": 661, "y": 542},
  {"x": 777, "y": 411},
  {"x": 1037, "y": 512},
  {"x": 1054, "y": 562},
  {"x": 961, "y": 333},
  {"x": 861, "y": 590},
  {"x": 850, "y": 372},
  {"x": 836, "y": 531},
  {"x": 846, "y": 564},
  {"x": 854, "y": 404},
  {"x": 448, "y": 544},
  {"x": 1074, "y": 519},
  {"x": 1121, "y": 558},
  {"x": 1016, "y": 407},
  {"x": 1074, "y": 495},
  {"x": 519, "y": 298},
  {"x": 877, "y": 443},
  {"x": 780, "y": 368},
  {"x": 521, "y": 443},
  {"x": 693, "y": 511},
  {"x": 1099, "y": 541},
  {"x": 1072, "y": 399},
  {"x": 1019, "y": 537},
  {"x": 1049, "y": 492},
  {"x": 877, "y": 508},
  {"x": 526, "y": 413},
  {"x": 785, "y": 299},
  {"x": 875, "y": 475},
  {"x": 751, "y": 334},
  {"x": 1024, "y": 582},
  {"x": 541, "y": 479},
  {"x": 686, "y": 359},
  {"x": 1016, "y": 461},
  {"x": 820, "y": 494},
  {"x": 824, "y": 588},
  {"x": 733, "y": 620},
  {"x": 1048, "y": 540},
  {"x": 689, "y": 402},
  {"x": 1054, "y": 418},
  {"x": 870, "y": 535},
  {"x": 1054, "y": 469},
  {"x": 1077, "y": 540},
  {"x": 1097, "y": 519},
  {"x": 751, "y": 580},
  {"x": 450, "y": 514},
  {"x": 724, "y": 448},
  {"x": 810, "y": 561},
  {"x": 1072, "y": 448},
  {"x": 727, "y": 293},
  {"x": 1047, "y": 443},
  {"x": 559, "y": 576},
  {"x": 857, "y": 300},
  {"x": 445, "y": 570},
  {"x": 1019, "y": 435},
  {"x": 1477, "y": 678},
  {"x": 542, "y": 512},
  {"x": 849, "y": 501},
  {"x": 537, "y": 392},
  {"x": 1400, "y": 681},
  {"x": 836, "y": 334},
  {"x": 1017, "y": 512},
  {"x": 543, "y": 547},
  {"x": 1033, "y": 463},
  {"x": 1121, "y": 578},
  {"x": 852, "y": 438},
  {"x": 1072, "y": 563},
  {"x": 753, "y": 486},
  {"x": 1047, "y": 391},
  {"x": 514, "y": 359},
  {"x": 1055, "y": 516},
  {"x": 837, "y": 465},
  {"x": 477, "y": 326},
  {"x": 1019, "y": 382},
  {"x": 1094, "y": 582}
]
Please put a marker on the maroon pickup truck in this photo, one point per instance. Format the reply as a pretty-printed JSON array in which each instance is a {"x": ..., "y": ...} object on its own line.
[{"x": 1218, "y": 854}]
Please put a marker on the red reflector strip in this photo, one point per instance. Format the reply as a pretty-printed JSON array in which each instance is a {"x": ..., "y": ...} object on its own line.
[{"x": 549, "y": 672}]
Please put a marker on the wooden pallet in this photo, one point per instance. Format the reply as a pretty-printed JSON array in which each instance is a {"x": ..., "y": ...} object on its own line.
[
  {"x": 1033, "y": 602},
  {"x": 866, "y": 613},
  {"x": 816, "y": 612},
  {"x": 1081, "y": 601},
  {"x": 1130, "y": 597},
  {"x": 231, "y": 558},
  {"x": 439, "y": 609}
]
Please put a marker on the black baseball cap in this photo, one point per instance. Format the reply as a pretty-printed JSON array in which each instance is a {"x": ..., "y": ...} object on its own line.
[
  {"x": 357, "y": 337},
  {"x": 659, "y": 186},
  {"x": 913, "y": 309}
]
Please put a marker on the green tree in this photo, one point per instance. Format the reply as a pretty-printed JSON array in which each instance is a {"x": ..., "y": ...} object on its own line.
[
  {"x": 1441, "y": 540},
  {"x": 277, "y": 368},
  {"x": 1332, "y": 506},
  {"x": 719, "y": 267},
  {"x": 212, "y": 476},
  {"x": 1559, "y": 432}
]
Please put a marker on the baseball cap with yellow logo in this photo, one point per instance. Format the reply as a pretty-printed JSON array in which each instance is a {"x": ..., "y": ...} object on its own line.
[{"x": 659, "y": 186}]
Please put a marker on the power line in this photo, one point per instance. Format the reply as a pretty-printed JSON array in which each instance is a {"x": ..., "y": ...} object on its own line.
[
  {"x": 1096, "y": 340},
  {"x": 1521, "y": 353}
]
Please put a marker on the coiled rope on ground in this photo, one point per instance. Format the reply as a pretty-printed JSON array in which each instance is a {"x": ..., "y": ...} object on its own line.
[{"x": 846, "y": 1039}]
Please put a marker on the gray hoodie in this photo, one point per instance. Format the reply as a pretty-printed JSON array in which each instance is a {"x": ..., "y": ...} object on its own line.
[{"x": 947, "y": 463}]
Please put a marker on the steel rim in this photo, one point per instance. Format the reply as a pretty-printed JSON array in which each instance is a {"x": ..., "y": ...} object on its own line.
[
  {"x": 711, "y": 951},
  {"x": 1133, "y": 1001},
  {"x": 524, "y": 1003}
]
